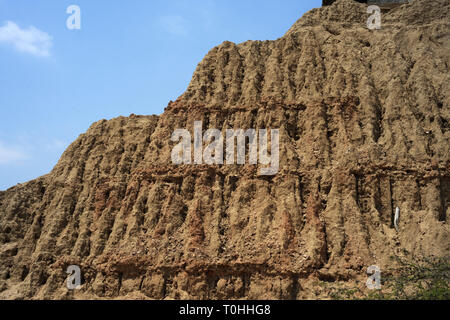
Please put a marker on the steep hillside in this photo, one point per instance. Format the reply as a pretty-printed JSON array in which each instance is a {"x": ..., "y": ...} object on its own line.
[{"x": 364, "y": 128}]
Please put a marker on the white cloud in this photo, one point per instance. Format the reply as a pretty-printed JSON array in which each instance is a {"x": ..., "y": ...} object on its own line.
[
  {"x": 10, "y": 154},
  {"x": 174, "y": 24},
  {"x": 31, "y": 40}
]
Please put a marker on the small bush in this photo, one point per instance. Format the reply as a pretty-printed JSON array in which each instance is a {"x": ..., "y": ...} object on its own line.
[{"x": 416, "y": 278}]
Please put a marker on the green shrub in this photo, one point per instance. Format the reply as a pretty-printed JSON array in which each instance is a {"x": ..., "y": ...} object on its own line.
[{"x": 415, "y": 278}]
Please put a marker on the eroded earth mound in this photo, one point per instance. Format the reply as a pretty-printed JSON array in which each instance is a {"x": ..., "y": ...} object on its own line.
[{"x": 364, "y": 128}]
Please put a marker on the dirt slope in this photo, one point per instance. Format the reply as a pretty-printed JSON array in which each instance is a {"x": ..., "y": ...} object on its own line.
[{"x": 364, "y": 128}]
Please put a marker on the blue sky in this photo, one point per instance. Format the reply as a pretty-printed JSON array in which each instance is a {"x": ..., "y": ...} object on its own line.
[{"x": 128, "y": 57}]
